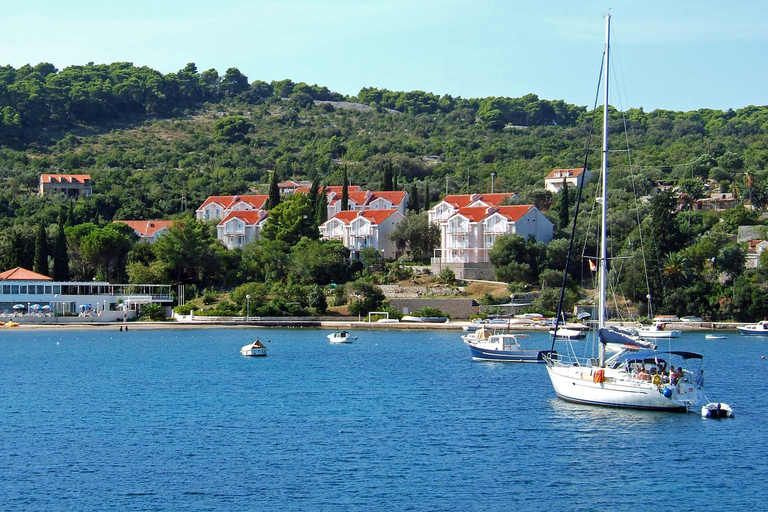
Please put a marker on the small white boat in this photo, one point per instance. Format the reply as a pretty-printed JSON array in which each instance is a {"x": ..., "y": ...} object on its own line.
[
  {"x": 341, "y": 337},
  {"x": 565, "y": 333},
  {"x": 758, "y": 329},
  {"x": 254, "y": 349},
  {"x": 411, "y": 318},
  {"x": 715, "y": 336},
  {"x": 658, "y": 330},
  {"x": 504, "y": 347},
  {"x": 717, "y": 411}
]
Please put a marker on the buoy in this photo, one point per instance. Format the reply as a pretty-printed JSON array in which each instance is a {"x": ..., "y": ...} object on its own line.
[{"x": 762, "y": 357}]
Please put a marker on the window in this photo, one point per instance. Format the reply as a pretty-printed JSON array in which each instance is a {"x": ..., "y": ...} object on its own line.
[
  {"x": 14, "y": 289},
  {"x": 6, "y": 289},
  {"x": 48, "y": 289},
  {"x": 57, "y": 288},
  {"x": 23, "y": 288}
]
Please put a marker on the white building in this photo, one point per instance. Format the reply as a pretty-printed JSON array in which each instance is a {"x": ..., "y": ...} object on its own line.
[
  {"x": 554, "y": 180},
  {"x": 365, "y": 228},
  {"x": 148, "y": 230},
  {"x": 241, "y": 227},
  {"x": 27, "y": 296},
  {"x": 218, "y": 207},
  {"x": 451, "y": 204},
  {"x": 360, "y": 200},
  {"x": 467, "y": 236},
  {"x": 68, "y": 185}
]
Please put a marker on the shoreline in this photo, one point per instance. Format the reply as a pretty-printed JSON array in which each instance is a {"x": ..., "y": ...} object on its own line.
[{"x": 336, "y": 324}]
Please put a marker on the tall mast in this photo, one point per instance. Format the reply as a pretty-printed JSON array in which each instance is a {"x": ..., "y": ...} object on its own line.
[{"x": 604, "y": 228}]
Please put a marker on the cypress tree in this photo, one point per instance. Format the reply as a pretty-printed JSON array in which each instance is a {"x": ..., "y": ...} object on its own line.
[
  {"x": 394, "y": 180},
  {"x": 41, "y": 251},
  {"x": 274, "y": 191},
  {"x": 71, "y": 214},
  {"x": 413, "y": 199},
  {"x": 426, "y": 195},
  {"x": 387, "y": 185},
  {"x": 345, "y": 192},
  {"x": 321, "y": 213},
  {"x": 314, "y": 191},
  {"x": 564, "y": 200},
  {"x": 60, "y": 260}
]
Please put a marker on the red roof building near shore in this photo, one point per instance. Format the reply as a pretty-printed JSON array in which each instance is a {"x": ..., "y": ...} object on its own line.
[{"x": 22, "y": 274}]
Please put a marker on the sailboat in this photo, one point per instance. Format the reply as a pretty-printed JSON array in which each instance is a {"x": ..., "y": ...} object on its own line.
[{"x": 635, "y": 376}]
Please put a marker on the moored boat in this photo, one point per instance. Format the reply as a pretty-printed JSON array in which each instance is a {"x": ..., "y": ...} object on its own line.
[
  {"x": 254, "y": 349},
  {"x": 658, "y": 330},
  {"x": 341, "y": 337},
  {"x": 660, "y": 381},
  {"x": 717, "y": 410},
  {"x": 758, "y": 329},
  {"x": 504, "y": 347}
]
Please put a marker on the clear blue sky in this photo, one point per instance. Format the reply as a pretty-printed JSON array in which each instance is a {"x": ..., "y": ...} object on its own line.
[{"x": 673, "y": 54}]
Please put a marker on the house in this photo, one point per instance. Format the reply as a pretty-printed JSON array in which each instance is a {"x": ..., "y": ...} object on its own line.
[
  {"x": 240, "y": 227},
  {"x": 68, "y": 185},
  {"x": 218, "y": 207},
  {"x": 717, "y": 201},
  {"x": 467, "y": 236},
  {"x": 368, "y": 200},
  {"x": 290, "y": 187},
  {"x": 363, "y": 228},
  {"x": 755, "y": 249},
  {"x": 38, "y": 298},
  {"x": 451, "y": 204},
  {"x": 554, "y": 180},
  {"x": 148, "y": 230}
]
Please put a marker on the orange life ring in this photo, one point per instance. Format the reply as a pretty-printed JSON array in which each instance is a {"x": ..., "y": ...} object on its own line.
[{"x": 599, "y": 376}]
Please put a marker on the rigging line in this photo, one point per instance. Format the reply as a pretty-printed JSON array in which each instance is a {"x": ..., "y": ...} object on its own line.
[{"x": 578, "y": 202}]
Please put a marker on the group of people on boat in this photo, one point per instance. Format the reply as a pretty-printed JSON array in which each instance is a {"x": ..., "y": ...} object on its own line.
[{"x": 639, "y": 372}]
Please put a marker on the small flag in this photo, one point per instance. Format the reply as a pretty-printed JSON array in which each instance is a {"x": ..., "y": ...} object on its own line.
[{"x": 592, "y": 266}]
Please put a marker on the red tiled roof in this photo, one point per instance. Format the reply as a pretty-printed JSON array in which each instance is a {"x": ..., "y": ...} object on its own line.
[
  {"x": 227, "y": 202},
  {"x": 65, "y": 178},
  {"x": 374, "y": 216},
  {"x": 393, "y": 196},
  {"x": 514, "y": 213},
  {"x": 250, "y": 217},
  {"x": 572, "y": 173},
  {"x": 22, "y": 274},
  {"x": 462, "y": 200},
  {"x": 473, "y": 213},
  {"x": 147, "y": 227}
]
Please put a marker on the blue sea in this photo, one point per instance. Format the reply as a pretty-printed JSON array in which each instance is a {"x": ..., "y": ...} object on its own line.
[{"x": 177, "y": 420}]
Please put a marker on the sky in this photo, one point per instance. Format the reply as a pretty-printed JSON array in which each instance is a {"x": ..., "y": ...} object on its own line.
[{"x": 674, "y": 54}]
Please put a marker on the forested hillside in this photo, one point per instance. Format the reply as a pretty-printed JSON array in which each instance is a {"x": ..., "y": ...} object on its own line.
[{"x": 157, "y": 145}]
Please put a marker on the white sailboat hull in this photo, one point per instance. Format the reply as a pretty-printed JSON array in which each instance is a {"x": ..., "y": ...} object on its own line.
[{"x": 619, "y": 389}]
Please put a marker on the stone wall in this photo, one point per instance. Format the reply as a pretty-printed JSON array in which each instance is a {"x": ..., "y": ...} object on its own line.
[{"x": 459, "y": 309}]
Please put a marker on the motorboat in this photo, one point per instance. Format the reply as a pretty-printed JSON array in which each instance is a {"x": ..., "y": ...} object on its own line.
[
  {"x": 715, "y": 336},
  {"x": 570, "y": 333},
  {"x": 483, "y": 333},
  {"x": 717, "y": 411},
  {"x": 658, "y": 330},
  {"x": 504, "y": 347},
  {"x": 630, "y": 377},
  {"x": 254, "y": 349},
  {"x": 758, "y": 329},
  {"x": 341, "y": 337}
]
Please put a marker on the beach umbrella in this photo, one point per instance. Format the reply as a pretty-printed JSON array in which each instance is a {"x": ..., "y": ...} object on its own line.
[
  {"x": 34, "y": 307},
  {"x": 46, "y": 307},
  {"x": 85, "y": 306},
  {"x": 19, "y": 306}
]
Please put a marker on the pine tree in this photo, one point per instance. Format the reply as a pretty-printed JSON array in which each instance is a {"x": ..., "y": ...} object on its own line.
[
  {"x": 345, "y": 192},
  {"x": 274, "y": 191},
  {"x": 41, "y": 251},
  {"x": 60, "y": 259}
]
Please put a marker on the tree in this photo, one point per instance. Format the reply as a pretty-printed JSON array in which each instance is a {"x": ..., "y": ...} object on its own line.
[
  {"x": 345, "y": 192},
  {"x": 187, "y": 254},
  {"x": 564, "y": 214},
  {"x": 233, "y": 83},
  {"x": 231, "y": 129},
  {"x": 314, "y": 194},
  {"x": 413, "y": 199},
  {"x": 41, "y": 251},
  {"x": 274, "y": 191},
  {"x": 107, "y": 249},
  {"x": 321, "y": 212},
  {"x": 517, "y": 258},
  {"x": 60, "y": 259},
  {"x": 367, "y": 298},
  {"x": 319, "y": 262},
  {"x": 291, "y": 220},
  {"x": 387, "y": 185},
  {"x": 426, "y": 196},
  {"x": 415, "y": 235}
]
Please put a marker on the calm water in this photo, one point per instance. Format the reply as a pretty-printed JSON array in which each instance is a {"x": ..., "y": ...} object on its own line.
[{"x": 178, "y": 420}]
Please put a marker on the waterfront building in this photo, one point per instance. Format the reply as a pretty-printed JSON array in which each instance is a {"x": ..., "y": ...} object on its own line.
[
  {"x": 218, "y": 207},
  {"x": 363, "y": 228},
  {"x": 451, "y": 204},
  {"x": 241, "y": 227}
]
